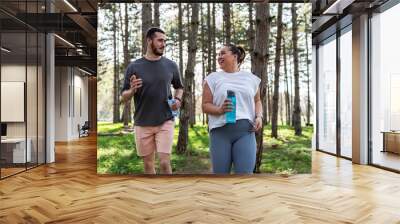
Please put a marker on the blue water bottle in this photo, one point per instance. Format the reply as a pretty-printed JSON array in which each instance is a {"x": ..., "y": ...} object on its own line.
[
  {"x": 231, "y": 116},
  {"x": 171, "y": 101}
]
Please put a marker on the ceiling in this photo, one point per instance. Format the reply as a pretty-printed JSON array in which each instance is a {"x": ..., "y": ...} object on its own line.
[
  {"x": 328, "y": 15},
  {"x": 73, "y": 21}
]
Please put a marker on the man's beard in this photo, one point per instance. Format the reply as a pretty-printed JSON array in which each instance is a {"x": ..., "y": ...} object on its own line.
[{"x": 156, "y": 51}]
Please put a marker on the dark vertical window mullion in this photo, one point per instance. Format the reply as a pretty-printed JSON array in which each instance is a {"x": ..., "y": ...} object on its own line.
[
  {"x": 338, "y": 72},
  {"x": 317, "y": 97},
  {"x": 369, "y": 98},
  {"x": 45, "y": 90},
  {"x": 26, "y": 85},
  {"x": 37, "y": 90}
]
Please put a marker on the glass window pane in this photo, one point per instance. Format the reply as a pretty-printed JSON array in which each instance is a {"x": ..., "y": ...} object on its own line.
[
  {"x": 31, "y": 97},
  {"x": 346, "y": 94},
  {"x": 327, "y": 96},
  {"x": 13, "y": 86},
  {"x": 386, "y": 89},
  {"x": 41, "y": 99}
]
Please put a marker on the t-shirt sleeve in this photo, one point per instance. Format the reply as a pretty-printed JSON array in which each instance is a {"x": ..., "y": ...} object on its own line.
[
  {"x": 210, "y": 82},
  {"x": 128, "y": 73},
  {"x": 176, "y": 79},
  {"x": 256, "y": 83}
]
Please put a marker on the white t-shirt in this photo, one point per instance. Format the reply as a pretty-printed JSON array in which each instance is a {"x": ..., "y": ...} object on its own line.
[{"x": 245, "y": 86}]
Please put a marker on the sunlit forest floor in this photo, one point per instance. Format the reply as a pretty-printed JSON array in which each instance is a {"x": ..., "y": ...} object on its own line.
[{"x": 289, "y": 154}]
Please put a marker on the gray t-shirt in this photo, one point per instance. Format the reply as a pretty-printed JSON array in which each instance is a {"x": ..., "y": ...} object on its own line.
[{"x": 151, "y": 100}]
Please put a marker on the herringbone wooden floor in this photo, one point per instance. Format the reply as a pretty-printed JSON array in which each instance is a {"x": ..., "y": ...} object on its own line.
[{"x": 70, "y": 191}]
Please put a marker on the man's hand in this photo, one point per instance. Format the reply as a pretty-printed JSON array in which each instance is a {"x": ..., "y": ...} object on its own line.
[
  {"x": 177, "y": 104},
  {"x": 136, "y": 83}
]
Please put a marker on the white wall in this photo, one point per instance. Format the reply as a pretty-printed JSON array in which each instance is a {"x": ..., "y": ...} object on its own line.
[{"x": 71, "y": 94}]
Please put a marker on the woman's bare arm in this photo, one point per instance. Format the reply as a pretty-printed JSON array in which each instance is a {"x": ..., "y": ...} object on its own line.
[{"x": 208, "y": 106}]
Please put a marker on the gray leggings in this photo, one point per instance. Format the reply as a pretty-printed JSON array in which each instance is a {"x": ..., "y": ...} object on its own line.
[{"x": 233, "y": 144}]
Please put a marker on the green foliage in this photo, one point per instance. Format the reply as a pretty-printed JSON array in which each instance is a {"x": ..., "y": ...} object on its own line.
[{"x": 289, "y": 154}]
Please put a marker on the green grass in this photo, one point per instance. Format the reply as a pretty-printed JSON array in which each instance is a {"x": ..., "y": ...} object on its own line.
[{"x": 288, "y": 154}]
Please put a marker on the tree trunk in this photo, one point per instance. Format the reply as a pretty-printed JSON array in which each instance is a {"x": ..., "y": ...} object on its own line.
[
  {"x": 296, "y": 104},
  {"x": 180, "y": 37},
  {"x": 227, "y": 22},
  {"x": 260, "y": 55},
  {"x": 203, "y": 51},
  {"x": 146, "y": 24},
  {"x": 214, "y": 45},
  {"x": 157, "y": 14},
  {"x": 188, "y": 82},
  {"x": 127, "y": 112},
  {"x": 192, "y": 120},
  {"x": 209, "y": 41},
  {"x": 250, "y": 34},
  {"x": 116, "y": 74},
  {"x": 281, "y": 109},
  {"x": 308, "y": 74},
  {"x": 275, "y": 99},
  {"x": 287, "y": 96},
  {"x": 290, "y": 78},
  {"x": 269, "y": 98}
]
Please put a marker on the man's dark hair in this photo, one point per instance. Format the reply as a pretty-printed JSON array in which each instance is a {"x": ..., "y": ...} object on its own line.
[{"x": 152, "y": 31}]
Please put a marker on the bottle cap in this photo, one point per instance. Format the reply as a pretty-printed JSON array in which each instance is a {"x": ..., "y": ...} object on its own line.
[{"x": 230, "y": 93}]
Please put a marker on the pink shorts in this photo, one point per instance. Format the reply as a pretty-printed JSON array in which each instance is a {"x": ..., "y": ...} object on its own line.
[{"x": 154, "y": 138}]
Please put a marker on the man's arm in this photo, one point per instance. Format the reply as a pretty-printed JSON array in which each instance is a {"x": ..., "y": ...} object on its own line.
[
  {"x": 178, "y": 94},
  {"x": 134, "y": 84},
  {"x": 178, "y": 99},
  {"x": 178, "y": 86},
  {"x": 127, "y": 95}
]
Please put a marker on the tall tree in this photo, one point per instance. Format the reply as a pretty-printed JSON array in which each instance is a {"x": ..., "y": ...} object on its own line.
[
  {"x": 127, "y": 113},
  {"x": 308, "y": 61},
  {"x": 188, "y": 81},
  {"x": 192, "y": 108},
  {"x": 260, "y": 60},
  {"x": 192, "y": 120},
  {"x": 296, "y": 104},
  {"x": 268, "y": 99},
  {"x": 203, "y": 49},
  {"x": 275, "y": 99},
  {"x": 214, "y": 41},
  {"x": 281, "y": 96},
  {"x": 250, "y": 34},
  {"x": 180, "y": 33},
  {"x": 156, "y": 14},
  {"x": 209, "y": 40},
  {"x": 146, "y": 23},
  {"x": 116, "y": 113},
  {"x": 287, "y": 93},
  {"x": 290, "y": 78},
  {"x": 227, "y": 22}
]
